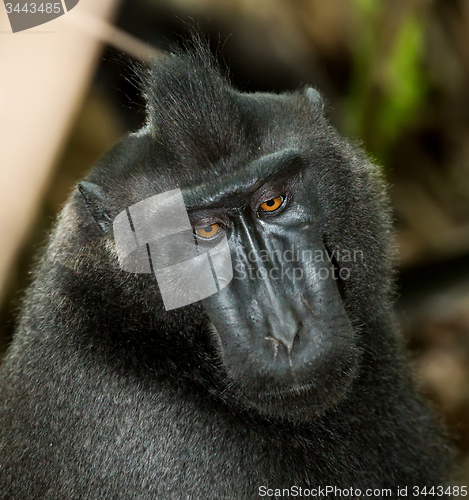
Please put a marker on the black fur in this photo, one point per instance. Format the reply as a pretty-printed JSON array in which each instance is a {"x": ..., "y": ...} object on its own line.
[{"x": 105, "y": 395}]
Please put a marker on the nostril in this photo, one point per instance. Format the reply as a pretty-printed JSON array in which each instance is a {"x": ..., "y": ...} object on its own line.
[
  {"x": 288, "y": 342},
  {"x": 296, "y": 340},
  {"x": 275, "y": 344}
]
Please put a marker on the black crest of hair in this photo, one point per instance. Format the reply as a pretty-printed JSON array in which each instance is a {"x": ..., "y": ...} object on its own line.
[
  {"x": 190, "y": 109},
  {"x": 287, "y": 380}
]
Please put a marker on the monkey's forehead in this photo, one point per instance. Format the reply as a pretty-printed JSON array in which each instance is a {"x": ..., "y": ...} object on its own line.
[{"x": 245, "y": 179}]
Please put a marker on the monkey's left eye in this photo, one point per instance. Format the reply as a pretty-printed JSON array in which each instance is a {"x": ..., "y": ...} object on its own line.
[
  {"x": 208, "y": 231},
  {"x": 273, "y": 204}
]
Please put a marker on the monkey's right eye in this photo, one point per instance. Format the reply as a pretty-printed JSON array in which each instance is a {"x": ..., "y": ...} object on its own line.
[
  {"x": 208, "y": 231},
  {"x": 272, "y": 205}
]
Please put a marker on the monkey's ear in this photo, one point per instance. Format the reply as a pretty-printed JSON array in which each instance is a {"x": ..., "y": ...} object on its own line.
[
  {"x": 95, "y": 202},
  {"x": 315, "y": 99}
]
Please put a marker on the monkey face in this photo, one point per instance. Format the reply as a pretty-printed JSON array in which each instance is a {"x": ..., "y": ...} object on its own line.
[{"x": 243, "y": 246}]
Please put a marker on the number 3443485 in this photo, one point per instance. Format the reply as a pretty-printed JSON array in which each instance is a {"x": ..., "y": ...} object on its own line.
[{"x": 33, "y": 8}]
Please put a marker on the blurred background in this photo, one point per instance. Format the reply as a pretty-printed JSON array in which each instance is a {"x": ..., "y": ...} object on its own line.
[{"x": 396, "y": 75}]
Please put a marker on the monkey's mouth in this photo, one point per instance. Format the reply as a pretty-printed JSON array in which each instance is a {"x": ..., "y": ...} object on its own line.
[
  {"x": 300, "y": 395},
  {"x": 295, "y": 403}
]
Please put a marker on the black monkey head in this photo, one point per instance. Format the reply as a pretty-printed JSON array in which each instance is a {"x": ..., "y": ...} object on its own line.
[{"x": 306, "y": 222}]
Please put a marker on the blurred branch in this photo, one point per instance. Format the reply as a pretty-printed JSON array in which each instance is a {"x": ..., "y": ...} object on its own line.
[{"x": 113, "y": 36}]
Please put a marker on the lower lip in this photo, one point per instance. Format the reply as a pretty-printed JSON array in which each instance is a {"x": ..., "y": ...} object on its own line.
[{"x": 292, "y": 391}]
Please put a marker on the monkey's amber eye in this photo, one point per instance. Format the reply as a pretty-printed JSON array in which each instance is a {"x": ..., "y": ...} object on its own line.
[
  {"x": 273, "y": 204},
  {"x": 208, "y": 231}
]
